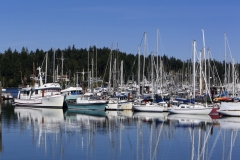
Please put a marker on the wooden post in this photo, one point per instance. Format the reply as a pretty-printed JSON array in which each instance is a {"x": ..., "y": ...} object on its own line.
[{"x": 42, "y": 93}]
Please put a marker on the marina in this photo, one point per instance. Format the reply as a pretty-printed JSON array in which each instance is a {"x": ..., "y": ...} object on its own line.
[
  {"x": 119, "y": 80},
  {"x": 52, "y": 133}
]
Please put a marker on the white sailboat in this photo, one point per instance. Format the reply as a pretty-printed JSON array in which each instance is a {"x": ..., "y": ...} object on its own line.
[
  {"x": 192, "y": 108},
  {"x": 148, "y": 107},
  {"x": 119, "y": 101}
]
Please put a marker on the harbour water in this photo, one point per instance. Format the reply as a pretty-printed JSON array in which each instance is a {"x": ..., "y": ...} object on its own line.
[{"x": 28, "y": 133}]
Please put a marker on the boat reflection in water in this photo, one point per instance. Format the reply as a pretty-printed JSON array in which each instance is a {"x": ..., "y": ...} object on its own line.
[
  {"x": 200, "y": 128},
  {"x": 43, "y": 123},
  {"x": 40, "y": 115},
  {"x": 92, "y": 134},
  {"x": 80, "y": 117},
  {"x": 232, "y": 123},
  {"x": 151, "y": 115},
  {"x": 228, "y": 136},
  {"x": 190, "y": 120},
  {"x": 111, "y": 114}
]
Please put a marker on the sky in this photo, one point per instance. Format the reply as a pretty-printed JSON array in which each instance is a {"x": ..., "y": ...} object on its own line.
[{"x": 46, "y": 24}]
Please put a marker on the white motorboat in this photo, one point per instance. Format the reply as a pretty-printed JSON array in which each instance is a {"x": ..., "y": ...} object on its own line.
[
  {"x": 229, "y": 108},
  {"x": 190, "y": 109},
  {"x": 43, "y": 95}
]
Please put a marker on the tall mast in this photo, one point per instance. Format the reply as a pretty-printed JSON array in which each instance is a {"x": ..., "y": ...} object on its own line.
[
  {"x": 225, "y": 50},
  {"x": 92, "y": 66},
  {"x": 54, "y": 65},
  {"x": 121, "y": 75},
  {"x": 96, "y": 66},
  {"x": 209, "y": 71},
  {"x": 152, "y": 73},
  {"x": 205, "y": 65},
  {"x": 92, "y": 77},
  {"x": 143, "y": 83},
  {"x": 88, "y": 68},
  {"x": 233, "y": 77},
  {"x": 194, "y": 53},
  {"x": 114, "y": 74},
  {"x": 200, "y": 72},
  {"x": 110, "y": 71},
  {"x": 139, "y": 68},
  {"x": 46, "y": 68},
  {"x": 157, "y": 80}
]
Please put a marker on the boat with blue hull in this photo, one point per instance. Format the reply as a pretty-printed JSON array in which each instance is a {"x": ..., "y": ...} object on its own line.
[
  {"x": 96, "y": 113},
  {"x": 86, "y": 102}
]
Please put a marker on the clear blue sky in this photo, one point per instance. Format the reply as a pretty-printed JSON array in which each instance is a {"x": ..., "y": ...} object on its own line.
[{"x": 46, "y": 24}]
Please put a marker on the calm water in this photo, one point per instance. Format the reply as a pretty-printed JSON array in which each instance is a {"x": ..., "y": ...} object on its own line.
[{"x": 28, "y": 133}]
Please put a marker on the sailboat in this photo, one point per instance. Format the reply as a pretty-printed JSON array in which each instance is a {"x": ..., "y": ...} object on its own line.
[
  {"x": 119, "y": 101},
  {"x": 149, "y": 106},
  {"x": 192, "y": 108}
]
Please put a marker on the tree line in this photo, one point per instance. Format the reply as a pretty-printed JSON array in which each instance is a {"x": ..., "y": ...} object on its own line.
[{"x": 16, "y": 67}]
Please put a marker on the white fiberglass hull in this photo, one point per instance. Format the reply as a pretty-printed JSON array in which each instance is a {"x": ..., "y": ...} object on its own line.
[
  {"x": 190, "y": 110},
  {"x": 55, "y": 101},
  {"x": 113, "y": 106},
  {"x": 229, "y": 113},
  {"x": 125, "y": 105},
  {"x": 148, "y": 108}
]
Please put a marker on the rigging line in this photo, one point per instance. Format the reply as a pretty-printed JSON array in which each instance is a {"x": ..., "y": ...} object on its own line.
[
  {"x": 142, "y": 39},
  {"x": 232, "y": 142},
  {"x": 43, "y": 60},
  {"x": 229, "y": 48},
  {"x": 214, "y": 65},
  {"x": 205, "y": 141},
  {"x": 155, "y": 150},
  {"x": 106, "y": 69},
  {"x": 214, "y": 144}
]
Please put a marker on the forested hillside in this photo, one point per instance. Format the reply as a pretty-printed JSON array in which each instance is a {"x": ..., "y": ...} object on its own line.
[{"x": 16, "y": 67}]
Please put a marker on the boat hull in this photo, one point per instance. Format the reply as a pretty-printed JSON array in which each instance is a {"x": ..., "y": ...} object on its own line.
[
  {"x": 113, "y": 106},
  {"x": 119, "y": 106},
  {"x": 190, "y": 111},
  {"x": 48, "y": 102},
  {"x": 229, "y": 113},
  {"x": 148, "y": 108},
  {"x": 125, "y": 105},
  {"x": 87, "y": 106}
]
